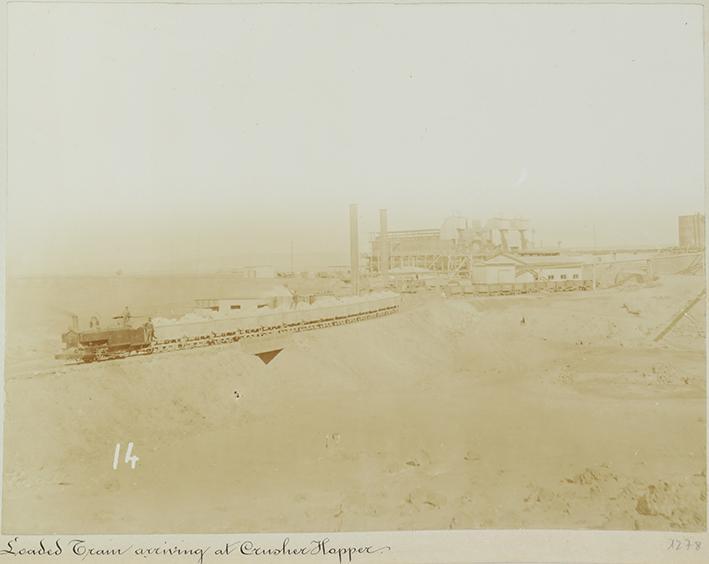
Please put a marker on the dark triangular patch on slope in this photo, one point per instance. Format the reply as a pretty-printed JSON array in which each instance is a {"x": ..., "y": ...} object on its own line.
[{"x": 268, "y": 356}]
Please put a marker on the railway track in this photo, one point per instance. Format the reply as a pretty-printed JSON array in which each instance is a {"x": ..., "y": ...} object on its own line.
[{"x": 187, "y": 343}]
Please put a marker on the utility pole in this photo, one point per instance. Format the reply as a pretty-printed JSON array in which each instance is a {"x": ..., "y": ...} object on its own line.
[
  {"x": 354, "y": 249},
  {"x": 383, "y": 243},
  {"x": 594, "y": 237},
  {"x": 593, "y": 275}
]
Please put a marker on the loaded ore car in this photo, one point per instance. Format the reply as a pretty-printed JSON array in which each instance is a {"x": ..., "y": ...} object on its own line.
[{"x": 219, "y": 325}]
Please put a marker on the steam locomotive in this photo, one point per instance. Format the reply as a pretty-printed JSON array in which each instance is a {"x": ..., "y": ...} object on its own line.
[
  {"x": 100, "y": 344},
  {"x": 97, "y": 344}
]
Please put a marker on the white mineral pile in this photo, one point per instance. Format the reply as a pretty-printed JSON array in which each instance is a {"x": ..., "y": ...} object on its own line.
[{"x": 205, "y": 322}]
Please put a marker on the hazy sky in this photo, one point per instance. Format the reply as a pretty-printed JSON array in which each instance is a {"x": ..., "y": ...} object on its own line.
[{"x": 144, "y": 136}]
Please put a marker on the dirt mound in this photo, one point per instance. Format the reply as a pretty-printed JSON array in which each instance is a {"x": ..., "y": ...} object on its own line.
[
  {"x": 592, "y": 476},
  {"x": 619, "y": 501},
  {"x": 451, "y": 413},
  {"x": 676, "y": 503}
]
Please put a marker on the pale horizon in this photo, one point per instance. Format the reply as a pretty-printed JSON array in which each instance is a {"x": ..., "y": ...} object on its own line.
[{"x": 161, "y": 146}]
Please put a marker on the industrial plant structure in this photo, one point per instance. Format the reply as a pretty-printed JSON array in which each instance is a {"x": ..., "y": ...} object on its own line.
[
  {"x": 499, "y": 257},
  {"x": 452, "y": 248}
]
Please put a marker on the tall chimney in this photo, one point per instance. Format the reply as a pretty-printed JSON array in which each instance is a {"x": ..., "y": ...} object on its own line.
[
  {"x": 523, "y": 239},
  {"x": 383, "y": 243},
  {"x": 354, "y": 249},
  {"x": 503, "y": 240}
]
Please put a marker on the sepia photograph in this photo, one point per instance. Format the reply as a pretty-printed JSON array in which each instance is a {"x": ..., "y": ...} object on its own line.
[{"x": 339, "y": 267}]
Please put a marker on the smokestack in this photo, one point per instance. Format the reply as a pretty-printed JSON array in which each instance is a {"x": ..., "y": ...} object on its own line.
[
  {"x": 523, "y": 239},
  {"x": 503, "y": 240},
  {"x": 354, "y": 249},
  {"x": 383, "y": 243}
]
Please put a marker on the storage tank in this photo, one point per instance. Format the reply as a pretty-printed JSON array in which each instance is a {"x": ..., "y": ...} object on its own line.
[{"x": 691, "y": 231}]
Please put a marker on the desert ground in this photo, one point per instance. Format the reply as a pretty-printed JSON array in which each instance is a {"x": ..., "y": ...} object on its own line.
[{"x": 450, "y": 414}]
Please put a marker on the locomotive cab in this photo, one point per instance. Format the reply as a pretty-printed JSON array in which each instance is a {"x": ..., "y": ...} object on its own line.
[{"x": 105, "y": 343}]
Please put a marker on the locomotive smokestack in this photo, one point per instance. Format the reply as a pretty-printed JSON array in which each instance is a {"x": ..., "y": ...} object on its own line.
[
  {"x": 383, "y": 242},
  {"x": 354, "y": 249}
]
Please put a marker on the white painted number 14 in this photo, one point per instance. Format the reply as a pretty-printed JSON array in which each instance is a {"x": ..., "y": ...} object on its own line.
[{"x": 130, "y": 457}]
